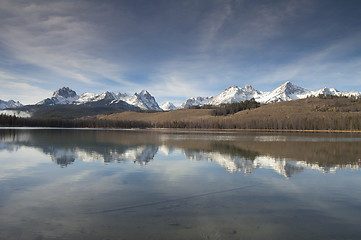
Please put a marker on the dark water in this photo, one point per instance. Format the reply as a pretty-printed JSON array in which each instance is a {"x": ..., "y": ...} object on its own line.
[{"x": 102, "y": 184}]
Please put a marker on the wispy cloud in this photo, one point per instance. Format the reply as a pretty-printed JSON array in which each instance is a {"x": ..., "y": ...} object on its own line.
[{"x": 48, "y": 35}]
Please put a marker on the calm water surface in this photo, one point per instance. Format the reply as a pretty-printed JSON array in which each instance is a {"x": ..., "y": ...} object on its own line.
[{"x": 114, "y": 184}]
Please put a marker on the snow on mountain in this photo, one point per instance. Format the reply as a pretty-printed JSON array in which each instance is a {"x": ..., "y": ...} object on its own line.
[
  {"x": 334, "y": 92},
  {"x": 286, "y": 92},
  {"x": 105, "y": 99},
  {"x": 235, "y": 94},
  {"x": 87, "y": 98},
  {"x": 121, "y": 96},
  {"x": 62, "y": 96},
  {"x": 9, "y": 104},
  {"x": 168, "y": 106},
  {"x": 144, "y": 101},
  {"x": 351, "y": 93},
  {"x": 195, "y": 101},
  {"x": 326, "y": 91}
]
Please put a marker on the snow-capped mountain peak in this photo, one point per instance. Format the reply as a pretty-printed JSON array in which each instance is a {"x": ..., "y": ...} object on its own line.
[
  {"x": 326, "y": 91},
  {"x": 144, "y": 101},
  {"x": 107, "y": 95},
  {"x": 65, "y": 92},
  {"x": 195, "y": 101},
  {"x": 85, "y": 97},
  {"x": 286, "y": 92},
  {"x": 235, "y": 94},
  {"x": 121, "y": 96},
  {"x": 248, "y": 88},
  {"x": 144, "y": 93},
  {"x": 291, "y": 89},
  {"x": 61, "y": 96},
  {"x": 229, "y": 95},
  {"x": 88, "y": 98},
  {"x": 168, "y": 106}
]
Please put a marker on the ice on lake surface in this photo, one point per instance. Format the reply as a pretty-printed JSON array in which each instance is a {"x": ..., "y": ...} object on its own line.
[{"x": 143, "y": 184}]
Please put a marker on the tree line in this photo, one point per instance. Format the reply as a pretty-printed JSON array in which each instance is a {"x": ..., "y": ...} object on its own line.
[
  {"x": 350, "y": 123},
  {"x": 232, "y": 108},
  {"x": 347, "y": 123},
  {"x": 13, "y": 121},
  {"x": 229, "y": 108}
]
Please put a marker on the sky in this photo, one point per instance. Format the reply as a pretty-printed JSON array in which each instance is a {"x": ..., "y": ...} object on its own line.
[{"x": 176, "y": 49}]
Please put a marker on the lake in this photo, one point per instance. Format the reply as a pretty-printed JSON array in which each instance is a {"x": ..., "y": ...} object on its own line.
[{"x": 148, "y": 184}]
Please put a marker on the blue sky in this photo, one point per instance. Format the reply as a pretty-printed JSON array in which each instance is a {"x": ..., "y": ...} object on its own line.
[{"x": 176, "y": 49}]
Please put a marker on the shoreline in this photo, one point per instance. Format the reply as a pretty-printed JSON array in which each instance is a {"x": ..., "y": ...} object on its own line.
[
  {"x": 194, "y": 129},
  {"x": 261, "y": 130}
]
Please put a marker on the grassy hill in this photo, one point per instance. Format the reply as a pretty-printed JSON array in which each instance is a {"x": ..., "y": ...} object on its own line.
[{"x": 162, "y": 117}]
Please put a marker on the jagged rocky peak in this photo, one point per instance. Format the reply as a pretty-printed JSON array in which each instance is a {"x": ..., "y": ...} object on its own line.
[
  {"x": 235, "y": 94},
  {"x": 144, "y": 100},
  {"x": 108, "y": 95},
  {"x": 120, "y": 95},
  {"x": 144, "y": 93},
  {"x": 195, "y": 101},
  {"x": 61, "y": 96},
  {"x": 87, "y": 98},
  {"x": 232, "y": 89},
  {"x": 65, "y": 92},
  {"x": 249, "y": 88},
  {"x": 14, "y": 104}
]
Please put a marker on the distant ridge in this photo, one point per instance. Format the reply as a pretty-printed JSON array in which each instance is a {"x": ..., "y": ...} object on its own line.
[{"x": 9, "y": 104}]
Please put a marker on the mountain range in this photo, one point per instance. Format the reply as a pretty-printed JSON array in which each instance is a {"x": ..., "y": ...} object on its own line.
[
  {"x": 286, "y": 92},
  {"x": 143, "y": 100}
]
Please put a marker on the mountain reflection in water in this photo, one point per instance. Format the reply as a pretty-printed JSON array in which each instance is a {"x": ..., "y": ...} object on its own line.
[
  {"x": 183, "y": 185},
  {"x": 235, "y": 153}
]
